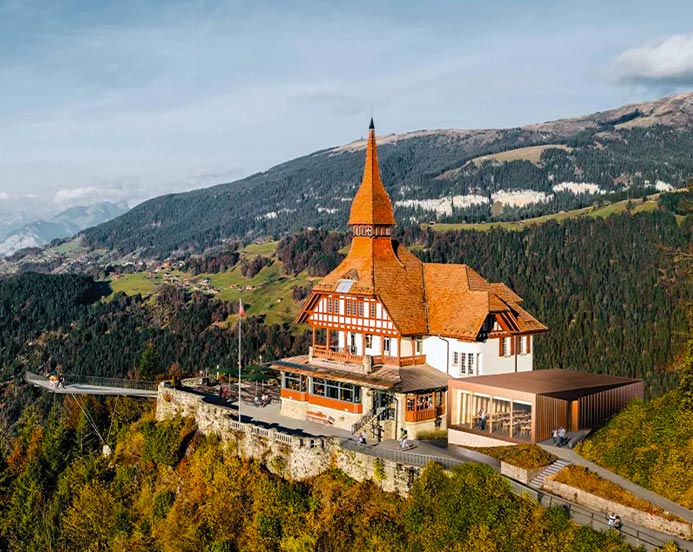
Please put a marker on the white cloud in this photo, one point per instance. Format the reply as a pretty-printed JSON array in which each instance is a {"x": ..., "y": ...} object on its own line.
[
  {"x": 88, "y": 194},
  {"x": 667, "y": 61},
  {"x": 4, "y": 196}
]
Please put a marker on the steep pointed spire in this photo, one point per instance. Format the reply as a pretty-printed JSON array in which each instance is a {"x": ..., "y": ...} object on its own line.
[{"x": 371, "y": 205}]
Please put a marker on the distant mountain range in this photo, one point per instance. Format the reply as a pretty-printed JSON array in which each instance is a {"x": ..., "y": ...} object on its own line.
[
  {"x": 24, "y": 231},
  {"x": 444, "y": 175}
]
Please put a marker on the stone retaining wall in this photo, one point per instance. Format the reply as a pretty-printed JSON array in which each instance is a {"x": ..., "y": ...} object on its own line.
[
  {"x": 626, "y": 513},
  {"x": 286, "y": 455},
  {"x": 524, "y": 475}
]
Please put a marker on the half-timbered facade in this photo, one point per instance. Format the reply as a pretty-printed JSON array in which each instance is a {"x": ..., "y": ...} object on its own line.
[{"x": 390, "y": 330}]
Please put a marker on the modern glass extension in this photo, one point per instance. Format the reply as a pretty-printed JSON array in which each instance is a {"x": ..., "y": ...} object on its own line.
[{"x": 496, "y": 415}]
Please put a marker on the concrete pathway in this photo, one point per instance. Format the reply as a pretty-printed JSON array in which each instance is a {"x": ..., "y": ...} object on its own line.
[{"x": 654, "y": 498}]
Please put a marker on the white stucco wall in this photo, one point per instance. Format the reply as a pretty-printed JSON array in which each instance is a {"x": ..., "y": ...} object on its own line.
[{"x": 486, "y": 357}]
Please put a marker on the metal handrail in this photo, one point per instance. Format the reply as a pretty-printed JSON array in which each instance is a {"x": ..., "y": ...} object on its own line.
[{"x": 80, "y": 379}]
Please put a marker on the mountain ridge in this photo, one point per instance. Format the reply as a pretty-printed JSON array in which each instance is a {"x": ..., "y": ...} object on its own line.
[{"x": 625, "y": 151}]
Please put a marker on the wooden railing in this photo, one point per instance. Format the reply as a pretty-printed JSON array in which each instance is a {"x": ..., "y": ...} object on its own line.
[
  {"x": 399, "y": 361},
  {"x": 420, "y": 415},
  {"x": 324, "y": 352},
  {"x": 321, "y": 351}
]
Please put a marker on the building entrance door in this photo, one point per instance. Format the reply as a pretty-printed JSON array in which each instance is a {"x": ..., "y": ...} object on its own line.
[{"x": 574, "y": 415}]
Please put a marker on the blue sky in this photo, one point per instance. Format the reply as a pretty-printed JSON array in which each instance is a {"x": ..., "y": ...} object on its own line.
[{"x": 131, "y": 99}]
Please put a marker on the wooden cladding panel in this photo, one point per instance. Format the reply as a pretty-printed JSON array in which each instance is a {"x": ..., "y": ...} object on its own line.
[
  {"x": 549, "y": 413},
  {"x": 598, "y": 407}
]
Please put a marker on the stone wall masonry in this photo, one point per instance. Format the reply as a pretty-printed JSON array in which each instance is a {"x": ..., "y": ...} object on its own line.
[
  {"x": 286, "y": 455},
  {"x": 645, "y": 519},
  {"x": 524, "y": 475}
]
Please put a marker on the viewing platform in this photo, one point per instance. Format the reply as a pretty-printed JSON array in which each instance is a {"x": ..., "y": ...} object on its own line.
[{"x": 74, "y": 384}]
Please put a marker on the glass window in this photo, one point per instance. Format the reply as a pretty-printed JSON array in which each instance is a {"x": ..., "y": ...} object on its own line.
[
  {"x": 455, "y": 358},
  {"x": 386, "y": 345},
  {"x": 470, "y": 364},
  {"x": 336, "y": 390},
  {"x": 506, "y": 346},
  {"x": 295, "y": 382},
  {"x": 373, "y": 310},
  {"x": 369, "y": 341},
  {"x": 418, "y": 343},
  {"x": 360, "y": 305}
]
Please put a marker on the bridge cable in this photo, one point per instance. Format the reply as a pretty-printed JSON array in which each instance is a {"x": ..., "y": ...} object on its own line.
[
  {"x": 108, "y": 435},
  {"x": 88, "y": 417}
]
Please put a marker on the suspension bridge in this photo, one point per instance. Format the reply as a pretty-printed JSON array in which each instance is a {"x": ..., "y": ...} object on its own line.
[{"x": 74, "y": 384}]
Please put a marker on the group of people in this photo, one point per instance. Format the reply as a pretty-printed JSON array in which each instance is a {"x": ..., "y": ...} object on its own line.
[
  {"x": 614, "y": 521},
  {"x": 559, "y": 436},
  {"x": 263, "y": 401},
  {"x": 57, "y": 381}
]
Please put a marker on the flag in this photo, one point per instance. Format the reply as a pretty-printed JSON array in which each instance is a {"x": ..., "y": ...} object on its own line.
[{"x": 241, "y": 310}]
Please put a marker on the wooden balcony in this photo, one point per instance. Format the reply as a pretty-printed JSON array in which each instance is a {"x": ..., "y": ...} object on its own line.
[
  {"x": 399, "y": 361},
  {"x": 321, "y": 351},
  {"x": 420, "y": 415}
]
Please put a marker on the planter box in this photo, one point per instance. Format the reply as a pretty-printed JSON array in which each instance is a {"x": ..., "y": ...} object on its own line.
[
  {"x": 651, "y": 521},
  {"x": 523, "y": 475}
]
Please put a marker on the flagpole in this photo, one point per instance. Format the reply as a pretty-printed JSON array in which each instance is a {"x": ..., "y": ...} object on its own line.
[{"x": 240, "y": 319}]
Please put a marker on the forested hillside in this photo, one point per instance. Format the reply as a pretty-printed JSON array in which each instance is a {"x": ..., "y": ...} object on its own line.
[
  {"x": 609, "y": 289},
  {"x": 169, "y": 489},
  {"x": 430, "y": 174}
]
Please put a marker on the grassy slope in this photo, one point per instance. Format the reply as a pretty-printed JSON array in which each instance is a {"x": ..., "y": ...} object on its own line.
[
  {"x": 651, "y": 444},
  {"x": 531, "y": 154},
  {"x": 268, "y": 292},
  {"x": 620, "y": 206}
]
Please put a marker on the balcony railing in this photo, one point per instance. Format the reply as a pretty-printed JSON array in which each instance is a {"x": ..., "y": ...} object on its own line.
[
  {"x": 323, "y": 351},
  {"x": 399, "y": 361}
]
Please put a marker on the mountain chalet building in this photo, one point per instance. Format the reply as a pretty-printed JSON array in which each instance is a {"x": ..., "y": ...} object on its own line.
[{"x": 394, "y": 340}]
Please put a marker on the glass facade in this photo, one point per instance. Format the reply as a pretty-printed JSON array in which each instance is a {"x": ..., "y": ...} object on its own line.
[{"x": 497, "y": 416}]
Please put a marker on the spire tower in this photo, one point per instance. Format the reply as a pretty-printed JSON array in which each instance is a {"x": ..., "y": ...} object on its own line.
[{"x": 371, "y": 211}]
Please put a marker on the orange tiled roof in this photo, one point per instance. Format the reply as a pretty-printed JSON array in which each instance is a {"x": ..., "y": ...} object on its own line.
[
  {"x": 383, "y": 268},
  {"x": 421, "y": 299},
  {"x": 371, "y": 203}
]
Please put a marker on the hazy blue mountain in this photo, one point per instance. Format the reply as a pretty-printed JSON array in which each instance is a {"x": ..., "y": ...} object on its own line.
[{"x": 39, "y": 232}]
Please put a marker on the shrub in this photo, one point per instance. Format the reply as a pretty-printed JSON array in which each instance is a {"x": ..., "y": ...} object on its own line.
[{"x": 522, "y": 456}]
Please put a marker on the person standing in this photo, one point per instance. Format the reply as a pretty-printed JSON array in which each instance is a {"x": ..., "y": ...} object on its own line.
[
  {"x": 611, "y": 520},
  {"x": 561, "y": 436},
  {"x": 554, "y": 436},
  {"x": 404, "y": 441},
  {"x": 362, "y": 437}
]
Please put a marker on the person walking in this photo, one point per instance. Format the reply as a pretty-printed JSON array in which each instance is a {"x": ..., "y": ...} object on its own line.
[
  {"x": 611, "y": 520},
  {"x": 554, "y": 436},
  {"x": 561, "y": 436},
  {"x": 362, "y": 437},
  {"x": 404, "y": 439}
]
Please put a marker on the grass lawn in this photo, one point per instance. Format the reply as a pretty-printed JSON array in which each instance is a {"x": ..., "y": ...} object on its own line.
[
  {"x": 531, "y": 154},
  {"x": 264, "y": 249}
]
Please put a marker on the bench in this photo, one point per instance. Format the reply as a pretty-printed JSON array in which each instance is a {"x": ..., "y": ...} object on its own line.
[{"x": 319, "y": 417}]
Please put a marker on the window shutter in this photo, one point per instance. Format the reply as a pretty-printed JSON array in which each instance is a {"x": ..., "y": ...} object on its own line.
[
  {"x": 529, "y": 344},
  {"x": 500, "y": 346},
  {"x": 513, "y": 339}
]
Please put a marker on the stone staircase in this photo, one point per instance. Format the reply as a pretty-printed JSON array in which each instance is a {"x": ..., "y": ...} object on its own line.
[{"x": 551, "y": 469}]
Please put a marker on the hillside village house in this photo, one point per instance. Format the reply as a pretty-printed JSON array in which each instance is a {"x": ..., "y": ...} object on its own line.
[{"x": 392, "y": 334}]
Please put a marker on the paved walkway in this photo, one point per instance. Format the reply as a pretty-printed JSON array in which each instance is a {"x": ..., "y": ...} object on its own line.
[{"x": 654, "y": 498}]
